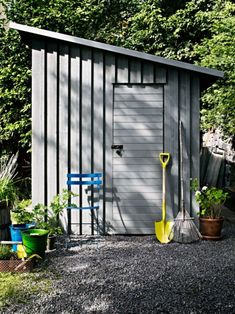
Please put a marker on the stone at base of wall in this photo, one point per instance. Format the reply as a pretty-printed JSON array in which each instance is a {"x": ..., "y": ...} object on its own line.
[{"x": 218, "y": 145}]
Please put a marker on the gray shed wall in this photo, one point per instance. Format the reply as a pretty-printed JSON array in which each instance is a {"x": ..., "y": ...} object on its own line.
[{"x": 72, "y": 121}]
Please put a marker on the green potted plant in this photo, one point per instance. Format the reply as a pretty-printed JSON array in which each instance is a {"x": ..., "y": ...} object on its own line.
[
  {"x": 47, "y": 227},
  {"x": 22, "y": 212},
  {"x": 47, "y": 217},
  {"x": 22, "y": 218},
  {"x": 210, "y": 200},
  {"x": 52, "y": 225}
]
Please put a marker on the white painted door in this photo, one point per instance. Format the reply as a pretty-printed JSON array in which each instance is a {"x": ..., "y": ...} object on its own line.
[{"x": 138, "y": 126}]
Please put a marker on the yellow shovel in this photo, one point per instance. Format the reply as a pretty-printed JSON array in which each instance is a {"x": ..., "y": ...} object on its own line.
[{"x": 163, "y": 227}]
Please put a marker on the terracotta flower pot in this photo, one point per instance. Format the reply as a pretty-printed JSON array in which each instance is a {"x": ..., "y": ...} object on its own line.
[{"x": 210, "y": 228}]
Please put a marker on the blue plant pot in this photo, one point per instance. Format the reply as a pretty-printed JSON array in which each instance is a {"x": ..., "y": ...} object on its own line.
[{"x": 16, "y": 232}]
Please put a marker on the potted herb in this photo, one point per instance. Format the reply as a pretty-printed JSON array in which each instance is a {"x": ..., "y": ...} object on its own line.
[
  {"x": 22, "y": 218},
  {"x": 54, "y": 231},
  {"x": 210, "y": 200},
  {"x": 22, "y": 212},
  {"x": 47, "y": 217}
]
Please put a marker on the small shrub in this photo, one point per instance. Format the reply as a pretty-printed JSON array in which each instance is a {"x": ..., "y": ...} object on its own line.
[{"x": 5, "y": 252}]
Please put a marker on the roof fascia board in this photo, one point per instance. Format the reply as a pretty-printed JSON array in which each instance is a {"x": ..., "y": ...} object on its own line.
[{"x": 115, "y": 49}]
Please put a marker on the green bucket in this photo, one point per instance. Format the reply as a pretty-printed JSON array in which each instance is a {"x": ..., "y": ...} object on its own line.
[{"x": 35, "y": 241}]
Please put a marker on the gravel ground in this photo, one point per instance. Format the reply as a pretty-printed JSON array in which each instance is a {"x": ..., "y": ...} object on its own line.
[{"x": 139, "y": 275}]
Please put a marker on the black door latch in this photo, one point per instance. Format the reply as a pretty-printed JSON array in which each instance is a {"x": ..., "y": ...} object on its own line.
[{"x": 119, "y": 147}]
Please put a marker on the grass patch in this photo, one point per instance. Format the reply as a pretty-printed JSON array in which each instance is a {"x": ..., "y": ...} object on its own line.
[{"x": 20, "y": 288}]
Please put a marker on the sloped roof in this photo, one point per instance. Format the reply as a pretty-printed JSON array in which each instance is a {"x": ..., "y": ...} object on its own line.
[{"x": 119, "y": 50}]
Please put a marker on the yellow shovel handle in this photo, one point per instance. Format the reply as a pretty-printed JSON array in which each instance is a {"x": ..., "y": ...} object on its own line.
[{"x": 164, "y": 159}]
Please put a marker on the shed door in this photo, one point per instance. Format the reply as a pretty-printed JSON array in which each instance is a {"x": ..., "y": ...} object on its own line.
[{"x": 138, "y": 126}]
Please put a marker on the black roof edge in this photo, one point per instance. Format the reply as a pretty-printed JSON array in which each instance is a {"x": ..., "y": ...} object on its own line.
[{"x": 115, "y": 49}]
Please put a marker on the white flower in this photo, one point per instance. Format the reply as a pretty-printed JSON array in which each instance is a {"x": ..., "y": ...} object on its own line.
[
  {"x": 204, "y": 188},
  {"x": 197, "y": 193}
]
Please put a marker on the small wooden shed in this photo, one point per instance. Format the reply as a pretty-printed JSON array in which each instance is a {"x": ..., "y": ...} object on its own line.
[{"x": 89, "y": 97}]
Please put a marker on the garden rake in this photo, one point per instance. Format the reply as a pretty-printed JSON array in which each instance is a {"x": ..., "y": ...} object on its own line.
[{"x": 184, "y": 230}]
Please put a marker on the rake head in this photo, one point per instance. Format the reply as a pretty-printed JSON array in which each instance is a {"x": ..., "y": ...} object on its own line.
[{"x": 184, "y": 230}]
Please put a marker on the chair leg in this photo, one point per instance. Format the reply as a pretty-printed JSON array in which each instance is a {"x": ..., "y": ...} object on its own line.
[
  {"x": 97, "y": 229},
  {"x": 67, "y": 240}
]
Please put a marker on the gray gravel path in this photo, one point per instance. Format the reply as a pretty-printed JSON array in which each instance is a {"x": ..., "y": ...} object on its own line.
[{"x": 139, "y": 275}]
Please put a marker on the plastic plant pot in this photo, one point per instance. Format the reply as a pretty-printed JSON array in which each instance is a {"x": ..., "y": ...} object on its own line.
[
  {"x": 35, "y": 241},
  {"x": 16, "y": 232}
]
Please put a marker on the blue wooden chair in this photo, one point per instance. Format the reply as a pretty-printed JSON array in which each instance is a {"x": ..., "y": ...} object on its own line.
[{"x": 92, "y": 183}]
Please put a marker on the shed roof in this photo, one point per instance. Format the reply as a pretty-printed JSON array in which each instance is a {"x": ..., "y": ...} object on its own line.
[{"x": 119, "y": 50}]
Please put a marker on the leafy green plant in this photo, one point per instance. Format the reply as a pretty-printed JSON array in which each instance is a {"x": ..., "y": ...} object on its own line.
[
  {"x": 218, "y": 52},
  {"x": 5, "y": 252},
  {"x": 22, "y": 212},
  {"x": 8, "y": 192},
  {"x": 8, "y": 189},
  {"x": 45, "y": 217},
  {"x": 210, "y": 199},
  {"x": 52, "y": 212},
  {"x": 51, "y": 223}
]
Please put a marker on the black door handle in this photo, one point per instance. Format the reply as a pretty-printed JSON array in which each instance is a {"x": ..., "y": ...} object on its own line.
[{"x": 119, "y": 147}]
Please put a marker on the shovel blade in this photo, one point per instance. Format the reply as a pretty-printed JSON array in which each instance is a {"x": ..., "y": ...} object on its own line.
[{"x": 163, "y": 231}]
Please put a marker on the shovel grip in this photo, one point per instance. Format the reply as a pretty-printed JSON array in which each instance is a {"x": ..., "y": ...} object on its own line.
[{"x": 164, "y": 159}]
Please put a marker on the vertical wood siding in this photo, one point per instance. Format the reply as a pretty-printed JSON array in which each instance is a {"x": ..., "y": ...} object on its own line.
[
  {"x": 98, "y": 120},
  {"x": 74, "y": 127},
  {"x": 109, "y": 79},
  {"x": 86, "y": 125},
  {"x": 171, "y": 118},
  {"x": 73, "y": 122},
  {"x": 51, "y": 72},
  {"x": 195, "y": 138},
  {"x": 38, "y": 123},
  {"x": 63, "y": 119}
]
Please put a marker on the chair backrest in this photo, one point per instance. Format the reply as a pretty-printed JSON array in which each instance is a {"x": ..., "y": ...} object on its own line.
[{"x": 83, "y": 179}]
